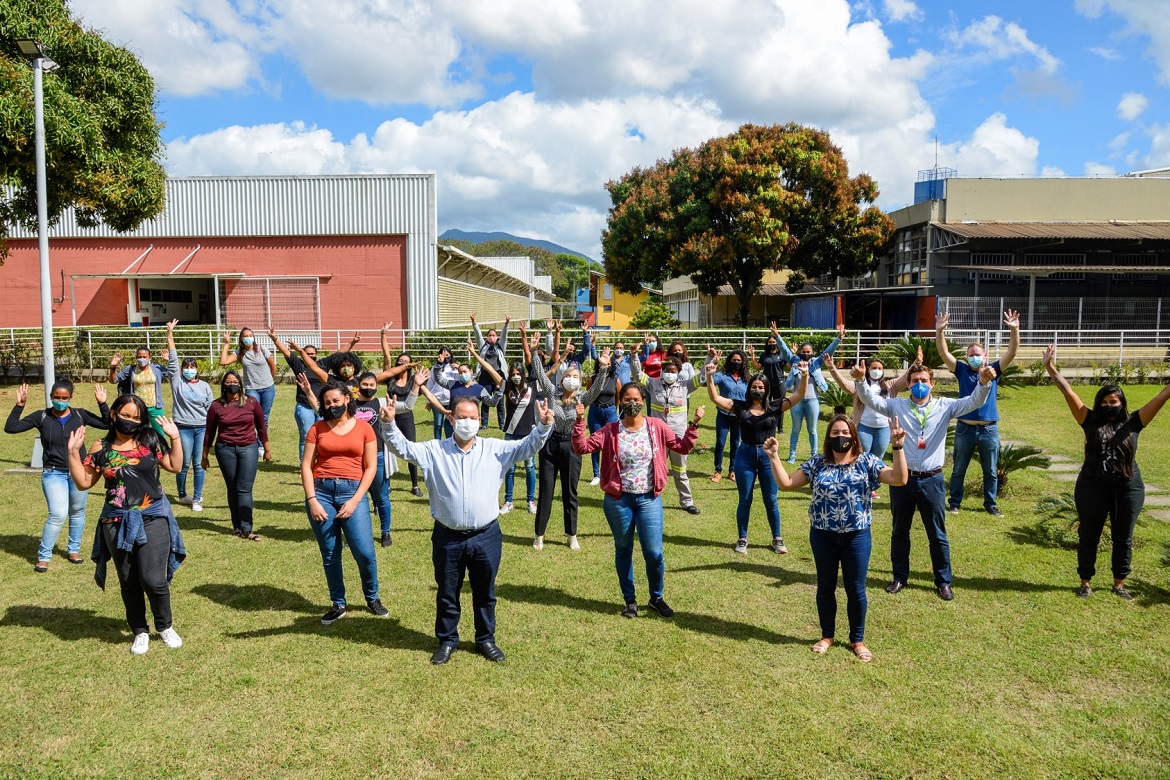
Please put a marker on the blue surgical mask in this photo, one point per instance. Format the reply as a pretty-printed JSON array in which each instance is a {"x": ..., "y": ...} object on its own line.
[
  {"x": 653, "y": 345},
  {"x": 975, "y": 361},
  {"x": 190, "y": 373},
  {"x": 465, "y": 378},
  {"x": 919, "y": 390},
  {"x": 60, "y": 406},
  {"x": 247, "y": 341}
]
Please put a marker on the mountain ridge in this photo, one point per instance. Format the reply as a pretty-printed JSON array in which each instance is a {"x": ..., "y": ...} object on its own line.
[{"x": 478, "y": 237}]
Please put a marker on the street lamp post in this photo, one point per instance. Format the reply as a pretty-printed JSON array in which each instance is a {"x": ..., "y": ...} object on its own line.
[{"x": 40, "y": 64}]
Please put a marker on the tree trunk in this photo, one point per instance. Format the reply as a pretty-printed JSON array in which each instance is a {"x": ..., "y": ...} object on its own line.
[{"x": 744, "y": 296}]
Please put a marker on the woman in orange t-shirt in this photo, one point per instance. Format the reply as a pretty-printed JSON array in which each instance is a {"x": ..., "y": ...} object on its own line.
[{"x": 341, "y": 454}]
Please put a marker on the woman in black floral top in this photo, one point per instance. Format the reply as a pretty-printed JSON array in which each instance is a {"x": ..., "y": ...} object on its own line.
[{"x": 137, "y": 528}]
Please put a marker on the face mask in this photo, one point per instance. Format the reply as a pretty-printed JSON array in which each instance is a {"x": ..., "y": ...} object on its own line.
[
  {"x": 143, "y": 362},
  {"x": 676, "y": 355},
  {"x": 124, "y": 426},
  {"x": 619, "y": 352},
  {"x": 190, "y": 373},
  {"x": 247, "y": 341},
  {"x": 368, "y": 392},
  {"x": 920, "y": 390},
  {"x": 465, "y": 378},
  {"x": 516, "y": 379},
  {"x": 346, "y": 372},
  {"x": 571, "y": 383},
  {"x": 1111, "y": 412},
  {"x": 876, "y": 373},
  {"x": 736, "y": 365},
  {"x": 631, "y": 408},
  {"x": 769, "y": 347},
  {"x": 805, "y": 357},
  {"x": 60, "y": 406},
  {"x": 333, "y": 412},
  {"x": 975, "y": 361},
  {"x": 466, "y": 428},
  {"x": 670, "y": 377},
  {"x": 230, "y": 390},
  {"x": 757, "y": 395},
  {"x": 653, "y": 345},
  {"x": 841, "y": 443}
]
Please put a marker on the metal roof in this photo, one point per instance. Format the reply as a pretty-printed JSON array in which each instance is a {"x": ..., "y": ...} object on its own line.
[
  {"x": 458, "y": 265},
  {"x": 1056, "y": 230}
]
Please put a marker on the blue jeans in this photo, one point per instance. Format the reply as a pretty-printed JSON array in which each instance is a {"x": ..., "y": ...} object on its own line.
[
  {"x": 305, "y": 418},
  {"x": 599, "y": 418},
  {"x": 967, "y": 438},
  {"x": 642, "y": 512},
  {"x": 64, "y": 500},
  {"x": 804, "y": 413},
  {"x": 442, "y": 426},
  {"x": 849, "y": 552},
  {"x": 238, "y": 465},
  {"x": 265, "y": 396},
  {"x": 725, "y": 424},
  {"x": 874, "y": 440},
  {"x": 929, "y": 496},
  {"x": 192, "y": 438},
  {"x": 476, "y": 554},
  {"x": 331, "y": 495},
  {"x": 380, "y": 492},
  {"x": 510, "y": 477},
  {"x": 752, "y": 463}
]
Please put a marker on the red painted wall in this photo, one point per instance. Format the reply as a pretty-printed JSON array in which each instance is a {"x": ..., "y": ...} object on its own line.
[{"x": 367, "y": 284}]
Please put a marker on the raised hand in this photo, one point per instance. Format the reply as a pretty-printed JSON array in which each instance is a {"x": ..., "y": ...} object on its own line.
[
  {"x": 523, "y": 330},
  {"x": 165, "y": 355},
  {"x": 507, "y": 319},
  {"x": 99, "y": 393},
  {"x": 534, "y": 341},
  {"x": 918, "y": 355},
  {"x": 603, "y": 357},
  {"x": 272, "y": 333},
  {"x": 22, "y": 395},
  {"x": 421, "y": 376},
  {"x": 354, "y": 341},
  {"x": 1011, "y": 318},
  {"x": 171, "y": 326},
  {"x": 699, "y": 414},
  {"x": 470, "y": 347},
  {"x": 545, "y": 413},
  {"x": 986, "y": 375},
  {"x": 169, "y": 427},
  {"x": 387, "y": 326},
  {"x": 710, "y": 351},
  {"x": 471, "y": 317},
  {"x": 645, "y": 338},
  {"x": 116, "y": 360},
  {"x": 858, "y": 372},
  {"x": 557, "y": 326},
  {"x": 568, "y": 349},
  {"x": 1049, "y": 356},
  {"x": 77, "y": 440},
  {"x": 303, "y": 383},
  {"x": 841, "y": 331},
  {"x": 387, "y": 413},
  {"x": 942, "y": 321},
  {"x": 897, "y": 432},
  {"x": 771, "y": 446},
  {"x": 772, "y": 327},
  {"x": 751, "y": 351},
  {"x": 802, "y": 366},
  {"x": 580, "y": 411},
  {"x": 227, "y": 338}
]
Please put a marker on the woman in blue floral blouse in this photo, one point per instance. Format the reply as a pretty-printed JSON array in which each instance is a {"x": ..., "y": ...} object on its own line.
[{"x": 843, "y": 479}]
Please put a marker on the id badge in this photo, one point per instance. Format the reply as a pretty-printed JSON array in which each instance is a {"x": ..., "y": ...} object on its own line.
[{"x": 921, "y": 443}]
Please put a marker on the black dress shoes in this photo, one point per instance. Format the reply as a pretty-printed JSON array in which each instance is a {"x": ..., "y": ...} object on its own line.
[
  {"x": 489, "y": 651},
  {"x": 945, "y": 593},
  {"x": 895, "y": 586},
  {"x": 443, "y": 654}
]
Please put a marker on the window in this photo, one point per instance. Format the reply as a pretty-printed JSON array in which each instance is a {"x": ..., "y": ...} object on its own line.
[
  {"x": 606, "y": 291},
  {"x": 607, "y": 310},
  {"x": 909, "y": 262}
]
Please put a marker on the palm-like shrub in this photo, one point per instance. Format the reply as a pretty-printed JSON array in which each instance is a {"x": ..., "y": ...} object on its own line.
[
  {"x": 1013, "y": 457},
  {"x": 905, "y": 350},
  {"x": 835, "y": 400}
]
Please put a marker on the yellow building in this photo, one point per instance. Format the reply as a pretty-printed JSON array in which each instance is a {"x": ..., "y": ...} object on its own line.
[
  {"x": 771, "y": 303},
  {"x": 613, "y": 310}
]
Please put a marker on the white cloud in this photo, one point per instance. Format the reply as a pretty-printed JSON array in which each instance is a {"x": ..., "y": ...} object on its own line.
[
  {"x": 1118, "y": 142},
  {"x": 263, "y": 149},
  {"x": 901, "y": 10},
  {"x": 995, "y": 149},
  {"x": 992, "y": 40},
  {"x": 1159, "y": 154},
  {"x": 1146, "y": 18},
  {"x": 1052, "y": 171},
  {"x": 1099, "y": 169},
  {"x": 1106, "y": 53},
  {"x": 1131, "y": 106}
]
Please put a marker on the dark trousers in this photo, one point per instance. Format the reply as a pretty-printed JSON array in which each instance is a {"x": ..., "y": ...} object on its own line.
[
  {"x": 557, "y": 457},
  {"x": 142, "y": 574},
  {"x": 1119, "y": 500},
  {"x": 405, "y": 423},
  {"x": 929, "y": 496},
  {"x": 238, "y": 465},
  {"x": 477, "y": 554},
  {"x": 491, "y": 386},
  {"x": 725, "y": 424},
  {"x": 848, "y": 552}
]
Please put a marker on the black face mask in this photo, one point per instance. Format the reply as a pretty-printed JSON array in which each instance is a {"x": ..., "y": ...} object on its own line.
[
  {"x": 367, "y": 392},
  {"x": 841, "y": 443},
  {"x": 757, "y": 395},
  {"x": 676, "y": 355},
  {"x": 736, "y": 366},
  {"x": 124, "y": 426},
  {"x": 769, "y": 347},
  {"x": 230, "y": 390},
  {"x": 1111, "y": 412},
  {"x": 805, "y": 357},
  {"x": 333, "y": 412}
]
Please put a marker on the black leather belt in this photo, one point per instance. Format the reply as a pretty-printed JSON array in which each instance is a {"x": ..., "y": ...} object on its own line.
[{"x": 925, "y": 473}]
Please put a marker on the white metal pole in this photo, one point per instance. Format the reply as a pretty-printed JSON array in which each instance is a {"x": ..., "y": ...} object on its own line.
[{"x": 43, "y": 231}]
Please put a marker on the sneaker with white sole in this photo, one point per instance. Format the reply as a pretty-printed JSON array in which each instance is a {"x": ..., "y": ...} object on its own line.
[
  {"x": 573, "y": 543},
  {"x": 196, "y": 506},
  {"x": 595, "y": 482},
  {"x": 141, "y": 644},
  {"x": 171, "y": 638},
  {"x": 186, "y": 500},
  {"x": 531, "y": 507},
  {"x": 741, "y": 546},
  {"x": 506, "y": 508},
  {"x": 538, "y": 543},
  {"x": 335, "y": 613},
  {"x": 778, "y": 547}
]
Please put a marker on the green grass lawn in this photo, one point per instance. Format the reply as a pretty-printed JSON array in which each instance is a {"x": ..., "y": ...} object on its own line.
[{"x": 1015, "y": 678}]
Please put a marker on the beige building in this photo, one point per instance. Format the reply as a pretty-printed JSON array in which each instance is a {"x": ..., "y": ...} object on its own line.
[
  {"x": 694, "y": 310},
  {"x": 490, "y": 286}
]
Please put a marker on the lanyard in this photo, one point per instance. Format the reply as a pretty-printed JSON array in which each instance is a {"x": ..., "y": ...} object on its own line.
[{"x": 922, "y": 418}]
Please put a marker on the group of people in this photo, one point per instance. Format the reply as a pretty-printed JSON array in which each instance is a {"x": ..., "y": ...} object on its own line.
[{"x": 631, "y": 415}]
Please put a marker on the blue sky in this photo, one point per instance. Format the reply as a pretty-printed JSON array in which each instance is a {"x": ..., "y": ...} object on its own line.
[{"x": 525, "y": 108}]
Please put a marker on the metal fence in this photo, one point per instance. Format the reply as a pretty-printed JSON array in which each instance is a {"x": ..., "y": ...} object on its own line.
[
  {"x": 1082, "y": 315},
  {"x": 87, "y": 351}
]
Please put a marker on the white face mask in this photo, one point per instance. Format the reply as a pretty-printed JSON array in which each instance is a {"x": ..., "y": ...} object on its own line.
[
  {"x": 571, "y": 383},
  {"x": 670, "y": 377},
  {"x": 876, "y": 373},
  {"x": 619, "y": 352},
  {"x": 466, "y": 429}
]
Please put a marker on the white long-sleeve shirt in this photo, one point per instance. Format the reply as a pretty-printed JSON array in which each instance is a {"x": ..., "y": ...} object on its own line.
[{"x": 926, "y": 423}]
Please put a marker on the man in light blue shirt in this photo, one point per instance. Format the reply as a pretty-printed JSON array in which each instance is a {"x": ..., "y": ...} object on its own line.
[
  {"x": 463, "y": 476},
  {"x": 925, "y": 420}
]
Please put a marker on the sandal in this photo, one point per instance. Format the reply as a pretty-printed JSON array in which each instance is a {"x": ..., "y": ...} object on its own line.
[
  {"x": 862, "y": 652},
  {"x": 75, "y": 558},
  {"x": 41, "y": 567},
  {"x": 822, "y": 647},
  {"x": 253, "y": 537}
]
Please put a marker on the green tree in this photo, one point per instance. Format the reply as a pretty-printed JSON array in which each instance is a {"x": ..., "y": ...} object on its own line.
[
  {"x": 653, "y": 314},
  {"x": 103, "y": 149},
  {"x": 576, "y": 271},
  {"x": 764, "y": 198}
]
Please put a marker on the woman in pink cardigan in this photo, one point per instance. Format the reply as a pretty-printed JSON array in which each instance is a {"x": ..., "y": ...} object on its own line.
[{"x": 634, "y": 470}]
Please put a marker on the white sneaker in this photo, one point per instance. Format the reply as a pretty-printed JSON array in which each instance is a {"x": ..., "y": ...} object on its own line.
[
  {"x": 595, "y": 482},
  {"x": 531, "y": 507},
  {"x": 186, "y": 500},
  {"x": 141, "y": 644},
  {"x": 506, "y": 508},
  {"x": 573, "y": 544},
  {"x": 537, "y": 544},
  {"x": 196, "y": 506},
  {"x": 171, "y": 638}
]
